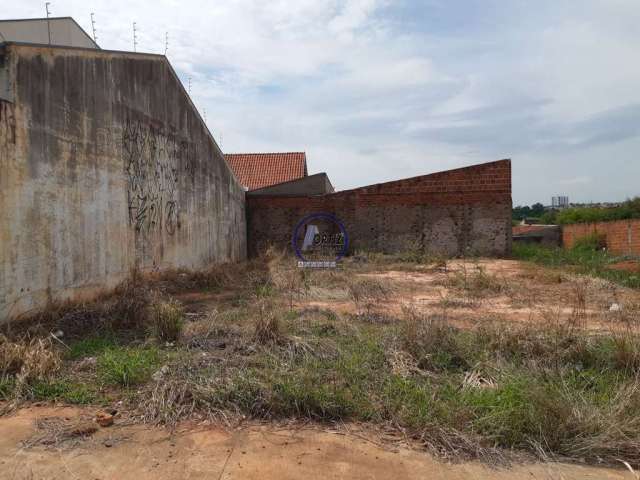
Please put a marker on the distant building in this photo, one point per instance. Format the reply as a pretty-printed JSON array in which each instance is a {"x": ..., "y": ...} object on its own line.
[
  {"x": 259, "y": 170},
  {"x": 560, "y": 201},
  {"x": 58, "y": 31}
]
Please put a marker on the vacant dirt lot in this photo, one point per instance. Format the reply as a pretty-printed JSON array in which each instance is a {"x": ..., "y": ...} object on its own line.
[
  {"x": 259, "y": 452},
  {"x": 467, "y": 293},
  {"x": 381, "y": 369}
]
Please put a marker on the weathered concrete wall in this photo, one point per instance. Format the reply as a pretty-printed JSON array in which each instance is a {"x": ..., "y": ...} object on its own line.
[
  {"x": 105, "y": 165},
  {"x": 316, "y": 184},
  {"x": 622, "y": 237},
  {"x": 467, "y": 210}
]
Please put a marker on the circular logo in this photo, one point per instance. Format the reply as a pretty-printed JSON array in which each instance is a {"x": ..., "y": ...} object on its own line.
[{"x": 320, "y": 237}]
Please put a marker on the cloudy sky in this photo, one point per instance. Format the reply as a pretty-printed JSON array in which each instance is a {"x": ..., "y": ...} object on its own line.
[{"x": 375, "y": 90}]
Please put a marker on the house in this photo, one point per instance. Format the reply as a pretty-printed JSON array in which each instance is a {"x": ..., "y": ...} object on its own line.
[{"x": 259, "y": 170}]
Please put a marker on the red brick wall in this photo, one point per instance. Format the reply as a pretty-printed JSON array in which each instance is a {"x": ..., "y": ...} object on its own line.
[
  {"x": 622, "y": 237},
  {"x": 462, "y": 210}
]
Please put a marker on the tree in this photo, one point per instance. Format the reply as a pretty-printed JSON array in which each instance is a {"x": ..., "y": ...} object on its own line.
[{"x": 537, "y": 210}]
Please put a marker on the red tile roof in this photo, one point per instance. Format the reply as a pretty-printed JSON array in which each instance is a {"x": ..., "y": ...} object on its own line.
[{"x": 258, "y": 170}]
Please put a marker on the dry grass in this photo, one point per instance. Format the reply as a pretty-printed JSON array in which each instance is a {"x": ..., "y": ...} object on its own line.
[
  {"x": 59, "y": 432},
  {"x": 474, "y": 281},
  {"x": 291, "y": 281},
  {"x": 367, "y": 293},
  {"x": 552, "y": 387},
  {"x": 166, "y": 318},
  {"x": 27, "y": 361},
  {"x": 22, "y": 363},
  {"x": 267, "y": 327}
]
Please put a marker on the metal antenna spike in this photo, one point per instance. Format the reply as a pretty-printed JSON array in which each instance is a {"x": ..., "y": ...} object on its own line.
[
  {"x": 46, "y": 7},
  {"x": 189, "y": 85},
  {"x": 135, "y": 38},
  {"x": 166, "y": 43},
  {"x": 93, "y": 27}
]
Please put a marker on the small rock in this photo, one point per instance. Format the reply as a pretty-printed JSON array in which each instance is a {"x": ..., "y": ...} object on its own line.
[
  {"x": 87, "y": 363},
  {"x": 104, "y": 419},
  {"x": 108, "y": 443},
  {"x": 159, "y": 375},
  {"x": 615, "y": 307},
  {"x": 84, "y": 430}
]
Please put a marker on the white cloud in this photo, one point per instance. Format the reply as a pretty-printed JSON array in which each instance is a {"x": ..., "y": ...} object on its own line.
[{"x": 375, "y": 89}]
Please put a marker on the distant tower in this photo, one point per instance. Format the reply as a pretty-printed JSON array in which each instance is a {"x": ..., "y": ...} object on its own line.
[{"x": 560, "y": 201}]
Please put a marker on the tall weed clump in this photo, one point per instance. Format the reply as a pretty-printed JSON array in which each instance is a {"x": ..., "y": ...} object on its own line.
[{"x": 166, "y": 319}]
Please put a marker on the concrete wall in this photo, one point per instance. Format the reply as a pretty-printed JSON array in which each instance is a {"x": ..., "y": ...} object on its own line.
[
  {"x": 316, "y": 184},
  {"x": 622, "y": 237},
  {"x": 64, "y": 31},
  {"x": 466, "y": 210},
  {"x": 105, "y": 165}
]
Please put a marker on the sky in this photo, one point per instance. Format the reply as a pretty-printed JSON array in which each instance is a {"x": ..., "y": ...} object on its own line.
[{"x": 378, "y": 90}]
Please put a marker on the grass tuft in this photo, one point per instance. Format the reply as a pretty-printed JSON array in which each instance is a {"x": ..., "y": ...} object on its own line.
[
  {"x": 127, "y": 366},
  {"x": 166, "y": 318}
]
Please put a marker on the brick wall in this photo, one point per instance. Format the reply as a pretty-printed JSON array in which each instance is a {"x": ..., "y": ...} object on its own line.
[
  {"x": 448, "y": 213},
  {"x": 622, "y": 237}
]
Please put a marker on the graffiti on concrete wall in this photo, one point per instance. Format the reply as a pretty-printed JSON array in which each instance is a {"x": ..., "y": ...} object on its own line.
[{"x": 152, "y": 166}]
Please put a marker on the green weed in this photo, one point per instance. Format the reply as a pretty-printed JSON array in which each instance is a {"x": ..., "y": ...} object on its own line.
[
  {"x": 583, "y": 258},
  {"x": 91, "y": 346},
  {"x": 127, "y": 366},
  {"x": 63, "y": 390}
]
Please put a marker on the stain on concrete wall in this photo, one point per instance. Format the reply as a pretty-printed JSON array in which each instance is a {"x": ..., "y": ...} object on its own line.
[
  {"x": 463, "y": 211},
  {"x": 105, "y": 165}
]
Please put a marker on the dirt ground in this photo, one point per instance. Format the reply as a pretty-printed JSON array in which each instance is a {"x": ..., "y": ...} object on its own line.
[
  {"x": 522, "y": 293},
  {"x": 519, "y": 292},
  {"x": 256, "y": 452},
  {"x": 35, "y": 442}
]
